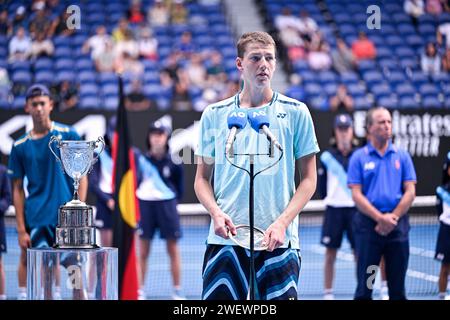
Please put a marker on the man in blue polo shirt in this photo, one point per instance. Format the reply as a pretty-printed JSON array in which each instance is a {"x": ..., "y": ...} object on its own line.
[
  {"x": 382, "y": 179},
  {"x": 48, "y": 187}
]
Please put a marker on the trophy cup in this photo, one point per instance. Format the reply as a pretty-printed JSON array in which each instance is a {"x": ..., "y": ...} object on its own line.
[
  {"x": 92, "y": 272},
  {"x": 75, "y": 227}
]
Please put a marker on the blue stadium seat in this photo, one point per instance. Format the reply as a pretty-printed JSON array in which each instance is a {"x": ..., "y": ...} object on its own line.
[
  {"x": 427, "y": 29},
  {"x": 64, "y": 64},
  {"x": 111, "y": 103},
  {"x": 396, "y": 77},
  {"x": 47, "y": 77},
  {"x": 361, "y": 103},
  {"x": 62, "y": 41},
  {"x": 87, "y": 76},
  {"x": 365, "y": 65},
  {"x": 4, "y": 104},
  {"x": 24, "y": 77},
  {"x": 406, "y": 29},
  {"x": 312, "y": 89},
  {"x": 66, "y": 75},
  {"x": 330, "y": 88},
  {"x": 43, "y": 64},
  {"x": 20, "y": 66},
  {"x": 372, "y": 77},
  {"x": 63, "y": 52},
  {"x": 356, "y": 89},
  {"x": 107, "y": 77},
  {"x": 110, "y": 89},
  {"x": 349, "y": 78},
  {"x": 428, "y": 89},
  {"x": 88, "y": 89},
  {"x": 18, "y": 103},
  {"x": 447, "y": 102},
  {"x": 404, "y": 51},
  {"x": 388, "y": 102},
  {"x": 405, "y": 89},
  {"x": 327, "y": 77},
  {"x": 431, "y": 102},
  {"x": 418, "y": 78},
  {"x": 89, "y": 102},
  {"x": 381, "y": 90},
  {"x": 408, "y": 102}
]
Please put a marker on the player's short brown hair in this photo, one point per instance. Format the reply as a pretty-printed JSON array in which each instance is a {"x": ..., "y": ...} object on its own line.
[{"x": 250, "y": 37}]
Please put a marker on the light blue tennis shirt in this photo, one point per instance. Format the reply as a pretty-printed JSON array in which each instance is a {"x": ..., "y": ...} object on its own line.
[{"x": 291, "y": 123}]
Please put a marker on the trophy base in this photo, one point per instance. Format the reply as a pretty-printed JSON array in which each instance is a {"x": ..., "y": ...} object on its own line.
[
  {"x": 84, "y": 274},
  {"x": 75, "y": 237},
  {"x": 75, "y": 229}
]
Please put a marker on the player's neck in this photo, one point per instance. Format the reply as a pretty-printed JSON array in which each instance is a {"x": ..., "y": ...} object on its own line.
[
  {"x": 380, "y": 145},
  {"x": 255, "y": 97},
  {"x": 40, "y": 129}
]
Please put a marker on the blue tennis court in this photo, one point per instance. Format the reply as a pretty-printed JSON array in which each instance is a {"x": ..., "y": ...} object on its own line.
[{"x": 421, "y": 282}]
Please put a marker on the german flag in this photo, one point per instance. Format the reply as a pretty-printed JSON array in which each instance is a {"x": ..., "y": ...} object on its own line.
[{"x": 126, "y": 212}]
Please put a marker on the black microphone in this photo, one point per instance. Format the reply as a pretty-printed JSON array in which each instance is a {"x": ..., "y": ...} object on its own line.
[
  {"x": 236, "y": 120},
  {"x": 259, "y": 121}
]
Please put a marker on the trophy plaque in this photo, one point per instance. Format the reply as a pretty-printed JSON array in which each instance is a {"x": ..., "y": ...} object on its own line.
[{"x": 75, "y": 228}]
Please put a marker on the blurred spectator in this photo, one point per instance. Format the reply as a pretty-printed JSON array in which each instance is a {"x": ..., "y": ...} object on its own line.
[
  {"x": 232, "y": 87},
  {"x": 196, "y": 71},
  {"x": 320, "y": 60},
  {"x": 414, "y": 8},
  {"x": 66, "y": 94},
  {"x": 308, "y": 28},
  {"x": 5, "y": 24},
  {"x": 181, "y": 99},
  {"x": 295, "y": 89},
  {"x": 341, "y": 101},
  {"x": 209, "y": 96},
  {"x": 148, "y": 45},
  {"x": 5, "y": 84},
  {"x": 446, "y": 61},
  {"x": 19, "y": 46},
  {"x": 443, "y": 31},
  {"x": 97, "y": 43},
  {"x": 158, "y": 14},
  {"x": 287, "y": 26},
  {"x": 363, "y": 48},
  {"x": 41, "y": 23},
  {"x": 446, "y": 5},
  {"x": 342, "y": 57},
  {"x": 179, "y": 13},
  {"x": 185, "y": 47},
  {"x": 135, "y": 100},
  {"x": 42, "y": 46},
  {"x": 215, "y": 71},
  {"x": 130, "y": 64},
  {"x": 286, "y": 19},
  {"x": 135, "y": 14},
  {"x": 430, "y": 61},
  {"x": 20, "y": 19},
  {"x": 120, "y": 32},
  {"x": 106, "y": 61},
  {"x": 127, "y": 45},
  {"x": 433, "y": 7},
  {"x": 59, "y": 25}
]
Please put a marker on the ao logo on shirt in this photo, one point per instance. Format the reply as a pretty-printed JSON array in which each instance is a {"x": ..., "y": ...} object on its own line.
[{"x": 369, "y": 166}]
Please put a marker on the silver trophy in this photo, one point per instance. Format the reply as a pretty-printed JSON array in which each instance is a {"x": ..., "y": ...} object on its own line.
[{"x": 75, "y": 227}]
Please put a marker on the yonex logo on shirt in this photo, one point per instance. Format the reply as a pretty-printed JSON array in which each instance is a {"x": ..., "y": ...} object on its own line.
[
  {"x": 369, "y": 166},
  {"x": 281, "y": 115}
]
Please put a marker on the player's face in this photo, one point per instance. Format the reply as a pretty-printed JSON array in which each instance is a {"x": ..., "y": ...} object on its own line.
[
  {"x": 39, "y": 108},
  {"x": 381, "y": 127},
  {"x": 258, "y": 64}
]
